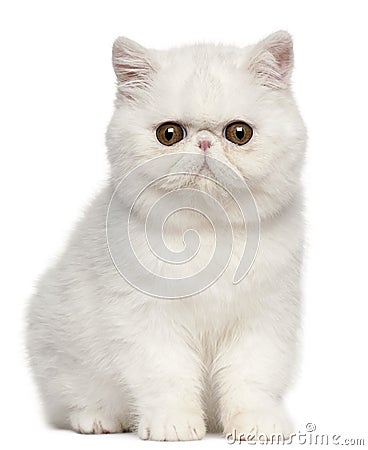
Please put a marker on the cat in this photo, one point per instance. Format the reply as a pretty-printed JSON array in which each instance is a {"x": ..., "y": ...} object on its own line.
[{"x": 109, "y": 357}]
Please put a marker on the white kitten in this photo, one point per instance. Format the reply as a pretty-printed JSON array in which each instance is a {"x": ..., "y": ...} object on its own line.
[{"x": 108, "y": 357}]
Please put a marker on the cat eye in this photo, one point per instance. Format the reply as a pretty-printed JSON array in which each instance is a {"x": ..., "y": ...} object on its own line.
[
  {"x": 238, "y": 132},
  {"x": 170, "y": 133}
]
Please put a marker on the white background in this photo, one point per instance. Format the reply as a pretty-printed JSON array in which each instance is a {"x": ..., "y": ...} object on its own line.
[{"x": 57, "y": 89}]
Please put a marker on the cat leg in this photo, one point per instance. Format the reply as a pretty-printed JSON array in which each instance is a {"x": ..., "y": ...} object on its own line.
[
  {"x": 164, "y": 376},
  {"x": 100, "y": 410},
  {"x": 251, "y": 375},
  {"x": 87, "y": 404}
]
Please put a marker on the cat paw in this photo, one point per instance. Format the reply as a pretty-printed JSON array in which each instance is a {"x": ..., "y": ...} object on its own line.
[
  {"x": 259, "y": 425},
  {"x": 95, "y": 422},
  {"x": 178, "y": 426}
]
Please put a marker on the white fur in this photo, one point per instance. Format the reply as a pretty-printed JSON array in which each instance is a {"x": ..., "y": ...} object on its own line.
[{"x": 108, "y": 358}]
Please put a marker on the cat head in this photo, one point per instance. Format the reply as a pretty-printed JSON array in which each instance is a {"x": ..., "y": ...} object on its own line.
[{"x": 232, "y": 104}]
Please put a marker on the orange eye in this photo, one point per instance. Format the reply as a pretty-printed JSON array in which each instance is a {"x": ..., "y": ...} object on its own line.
[
  {"x": 169, "y": 133},
  {"x": 238, "y": 133}
]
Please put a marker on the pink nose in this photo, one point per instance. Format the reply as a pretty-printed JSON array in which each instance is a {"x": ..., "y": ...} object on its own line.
[{"x": 204, "y": 144}]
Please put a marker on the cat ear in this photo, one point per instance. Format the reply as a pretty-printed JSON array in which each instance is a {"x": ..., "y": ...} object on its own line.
[
  {"x": 271, "y": 60},
  {"x": 132, "y": 66}
]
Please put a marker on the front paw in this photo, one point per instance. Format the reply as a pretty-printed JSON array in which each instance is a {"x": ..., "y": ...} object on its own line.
[
  {"x": 272, "y": 424},
  {"x": 172, "y": 426}
]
